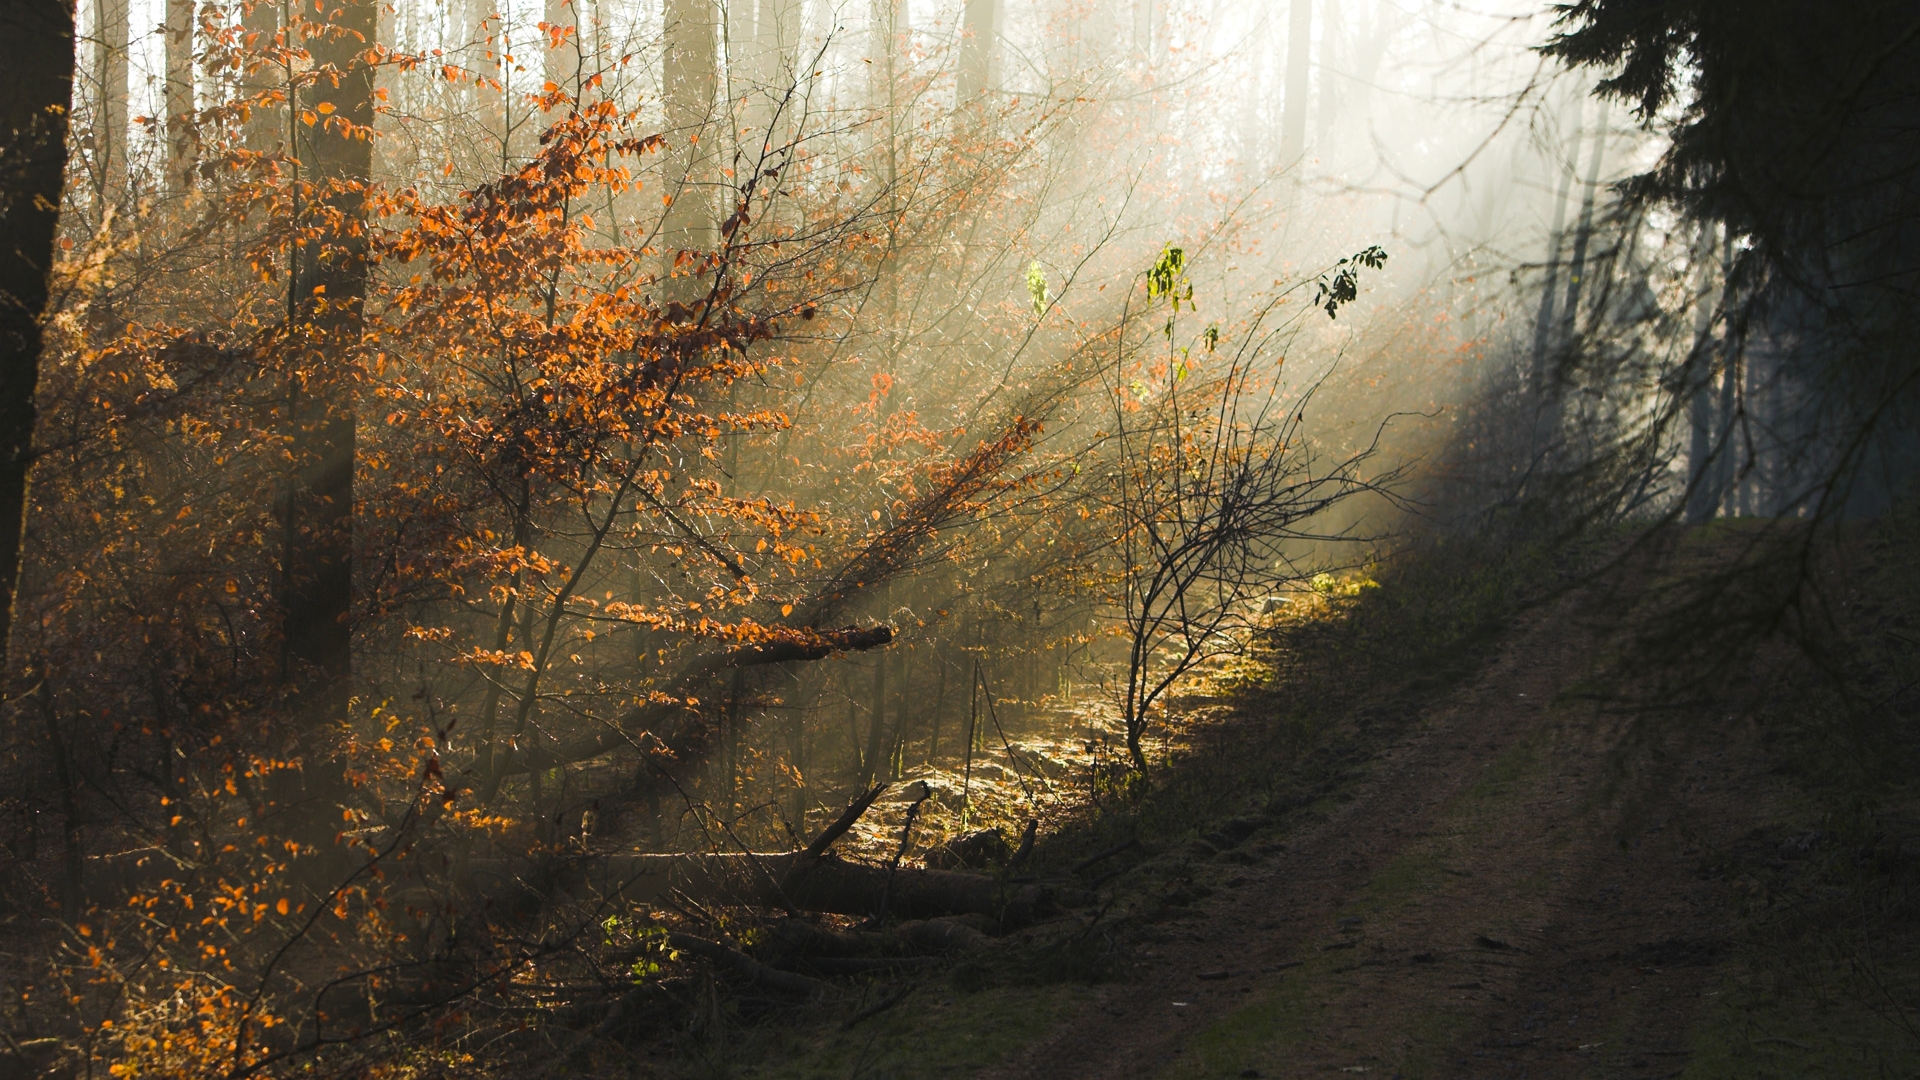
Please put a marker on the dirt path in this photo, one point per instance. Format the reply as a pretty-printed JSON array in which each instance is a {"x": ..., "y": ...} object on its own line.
[{"x": 1501, "y": 898}]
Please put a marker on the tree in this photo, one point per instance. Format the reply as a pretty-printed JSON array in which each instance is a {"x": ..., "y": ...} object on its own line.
[
  {"x": 181, "y": 131},
  {"x": 1213, "y": 485},
  {"x": 1794, "y": 130},
  {"x": 1293, "y": 122},
  {"x": 109, "y": 128},
  {"x": 334, "y": 127},
  {"x": 36, "y": 98},
  {"x": 690, "y": 82},
  {"x": 979, "y": 46}
]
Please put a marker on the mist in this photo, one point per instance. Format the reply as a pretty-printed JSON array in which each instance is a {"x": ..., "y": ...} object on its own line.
[{"x": 772, "y": 537}]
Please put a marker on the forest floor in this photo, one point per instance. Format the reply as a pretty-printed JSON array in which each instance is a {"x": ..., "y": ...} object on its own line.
[
  {"x": 1499, "y": 897},
  {"x": 1533, "y": 880},
  {"x": 1512, "y": 875}
]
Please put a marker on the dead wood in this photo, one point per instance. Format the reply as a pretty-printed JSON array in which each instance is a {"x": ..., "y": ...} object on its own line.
[
  {"x": 745, "y": 966},
  {"x": 1026, "y": 845},
  {"x": 844, "y": 822},
  {"x": 845, "y": 966},
  {"x": 823, "y": 884},
  {"x": 948, "y": 935},
  {"x": 884, "y": 1004},
  {"x": 801, "y": 643},
  {"x": 920, "y": 937},
  {"x": 1099, "y": 857}
]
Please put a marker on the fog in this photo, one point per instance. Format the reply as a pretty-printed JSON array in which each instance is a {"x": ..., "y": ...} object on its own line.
[{"x": 478, "y": 440}]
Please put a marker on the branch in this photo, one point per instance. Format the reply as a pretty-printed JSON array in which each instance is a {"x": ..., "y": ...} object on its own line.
[
  {"x": 807, "y": 644},
  {"x": 841, "y": 824}
]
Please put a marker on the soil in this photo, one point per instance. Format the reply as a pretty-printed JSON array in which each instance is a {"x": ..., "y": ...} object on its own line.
[{"x": 1524, "y": 885}]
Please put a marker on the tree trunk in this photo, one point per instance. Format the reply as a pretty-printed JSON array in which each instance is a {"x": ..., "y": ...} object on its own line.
[
  {"x": 1293, "y": 123},
  {"x": 1330, "y": 35},
  {"x": 110, "y": 33},
  {"x": 1702, "y": 496},
  {"x": 266, "y": 124},
  {"x": 336, "y": 155},
  {"x": 1149, "y": 32},
  {"x": 36, "y": 97},
  {"x": 1583, "y": 235},
  {"x": 182, "y": 134},
  {"x": 562, "y": 63},
  {"x": 690, "y": 82},
  {"x": 979, "y": 44},
  {"x": 1726, "y": 465},
  {"x": 1544, "y": 323},
  {"x": 939, "y": 710},
  {"x": 876, "y": 723}
]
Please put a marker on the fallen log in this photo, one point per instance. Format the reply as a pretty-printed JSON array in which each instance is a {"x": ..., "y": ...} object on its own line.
[
  {"x": 798, "y": 881},
  {"x": 745, "y": 966},
  {"x": 921, "y": 937},
  {"x": 836, "y": 967}
]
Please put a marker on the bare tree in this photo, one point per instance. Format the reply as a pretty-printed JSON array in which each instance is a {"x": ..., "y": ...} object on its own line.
[{"x": 1215, "y": 482}]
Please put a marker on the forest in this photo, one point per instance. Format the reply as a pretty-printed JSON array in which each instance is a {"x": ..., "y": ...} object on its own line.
[{"x": 1003, "y": 538}]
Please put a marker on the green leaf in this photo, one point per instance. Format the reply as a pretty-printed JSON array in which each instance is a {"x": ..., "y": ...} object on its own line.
[{"x": 1037, "y": 288}]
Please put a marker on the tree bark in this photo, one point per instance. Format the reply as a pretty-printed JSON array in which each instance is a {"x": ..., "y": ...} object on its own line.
[
  {"x": 265, "y": 125},
  {"x": 1583, "y": 234},
  {"x": 1293, "y": 124},
  {"x": 562, "y": 62},
  {"x": 182, "y": 134},
  {"x": 980, "y": 41},
  {"x": 876, "y": 723},
  {"x": 110, "y": 33},
  {"x": 329, "y": 282},
  {"x": 1702, "y": 496},
  {"x": 36, "y": 98},
  {"x": 1544, "y": 323},
  {"x": 690, "y": 82}
]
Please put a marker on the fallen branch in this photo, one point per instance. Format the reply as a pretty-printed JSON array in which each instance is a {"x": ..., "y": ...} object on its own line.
[
  {"x": 837, "y": 966},
  {"x": 886, "y": 1003},
  {"x": 1099, "y": 857},
  {"x": 807, "y": 644},
  {"x": 1026, "y": 846},
  {"x": 816, "y": 883},
  {"x": 748, "y": 968},
  {"x": 921, "y": 937},
  {"x": 844, "y": 822}
]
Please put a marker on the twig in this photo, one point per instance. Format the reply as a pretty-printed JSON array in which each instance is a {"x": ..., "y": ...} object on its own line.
[
  {"x": 884, "y": 1004},
  {"x": 906, "y": 835},
  {"x": 1101, "y": 856},
  {"x": 1026, "y": 846}
]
